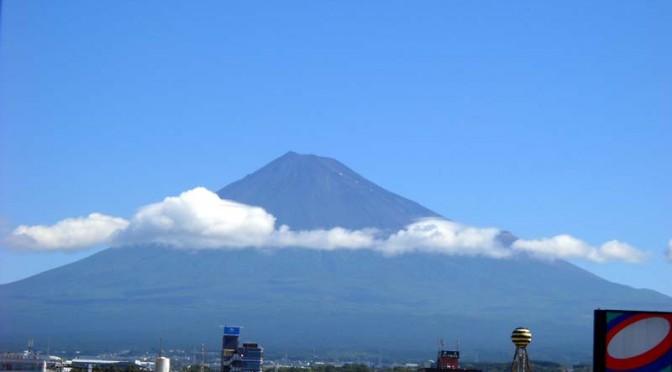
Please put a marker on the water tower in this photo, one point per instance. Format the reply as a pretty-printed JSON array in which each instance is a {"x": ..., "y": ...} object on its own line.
[{"x": 521, "y": 337}]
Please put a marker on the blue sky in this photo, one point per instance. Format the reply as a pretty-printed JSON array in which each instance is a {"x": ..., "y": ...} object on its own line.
[{"x": 542, "y": 118}]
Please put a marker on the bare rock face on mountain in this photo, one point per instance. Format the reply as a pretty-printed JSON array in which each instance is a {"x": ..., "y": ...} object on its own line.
[{"x": 303, "y": 301}]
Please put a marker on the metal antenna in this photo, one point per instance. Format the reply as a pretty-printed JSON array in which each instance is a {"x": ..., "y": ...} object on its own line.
[
  {"x": 202, "y": 369},
  {"x": 380, "y": 358}
]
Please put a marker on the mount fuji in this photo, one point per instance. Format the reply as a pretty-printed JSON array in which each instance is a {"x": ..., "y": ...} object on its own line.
[{"x": 315, "y": 301}]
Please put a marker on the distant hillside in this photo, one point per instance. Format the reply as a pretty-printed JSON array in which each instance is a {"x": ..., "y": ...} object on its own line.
[{"x": 301, "y": 300}]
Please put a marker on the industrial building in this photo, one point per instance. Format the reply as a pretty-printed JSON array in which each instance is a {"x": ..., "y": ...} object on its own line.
[{"x": 30, "y": 361}]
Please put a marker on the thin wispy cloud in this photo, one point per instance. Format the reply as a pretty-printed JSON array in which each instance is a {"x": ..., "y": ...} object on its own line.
[
  {"x": 199, "y": 219},
  {"x": 668, "y": 254}
]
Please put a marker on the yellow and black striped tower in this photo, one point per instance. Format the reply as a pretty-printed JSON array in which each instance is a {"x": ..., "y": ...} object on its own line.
[{"x": 521, "y": 337}]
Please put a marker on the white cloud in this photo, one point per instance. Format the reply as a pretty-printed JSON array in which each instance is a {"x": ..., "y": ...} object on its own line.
[
  {"x": 561, "y": 246},
  {"x": 669, "y": 250},
  {"x": 336, "y": 238},
  {"x": 69, "y": 234},
  {"x": 195, "y": 219},
  {"x": 568, "y": 247},
  {"x": 619, "y": 251},
  {"x": 198, "y": 219},
  {"x": 447, "y": 237}
]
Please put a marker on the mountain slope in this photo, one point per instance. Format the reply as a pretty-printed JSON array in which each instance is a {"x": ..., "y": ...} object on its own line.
[
  {"x": 293, "y": 299},
  {"x": 309, "y": 192},
  {"x": 300, "y": 300}
]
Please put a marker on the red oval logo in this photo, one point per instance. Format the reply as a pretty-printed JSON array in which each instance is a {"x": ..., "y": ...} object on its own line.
[{"x": 638, "y": 341}]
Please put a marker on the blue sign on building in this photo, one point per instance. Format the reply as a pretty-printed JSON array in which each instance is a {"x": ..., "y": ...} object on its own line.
[{"x": 231, "y": 331}]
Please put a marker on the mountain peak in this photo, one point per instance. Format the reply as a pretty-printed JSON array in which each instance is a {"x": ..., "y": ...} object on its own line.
[
  {"x": 294, "y": 159},
  {"x": 311, "y": 191},
  {"x": 291, "y": 155}
]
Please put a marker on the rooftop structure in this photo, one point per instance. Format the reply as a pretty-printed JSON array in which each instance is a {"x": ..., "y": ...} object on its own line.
[{"x": 446, "y": 361}]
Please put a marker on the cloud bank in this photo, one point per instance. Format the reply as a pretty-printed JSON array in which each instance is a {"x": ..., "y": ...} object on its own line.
[
  {"x": 446, "y": 237},
  {"x": 199, "y": 219},
  {"x": 568, "y": 247},
  {"x": 69, "y": 234}
]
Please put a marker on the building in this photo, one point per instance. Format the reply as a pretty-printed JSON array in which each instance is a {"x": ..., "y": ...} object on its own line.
[
  {"x": 236, "y": 358},
  {"x": 30, "y": 361},
  {"x": 22, "y": 362},
  {"x": 446, "y": 361}
]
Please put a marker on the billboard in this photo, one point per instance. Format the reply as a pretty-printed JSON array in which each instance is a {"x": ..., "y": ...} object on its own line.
[
  {"x": 627, "y": 340},
  {"x": 231, "y": 330}
]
